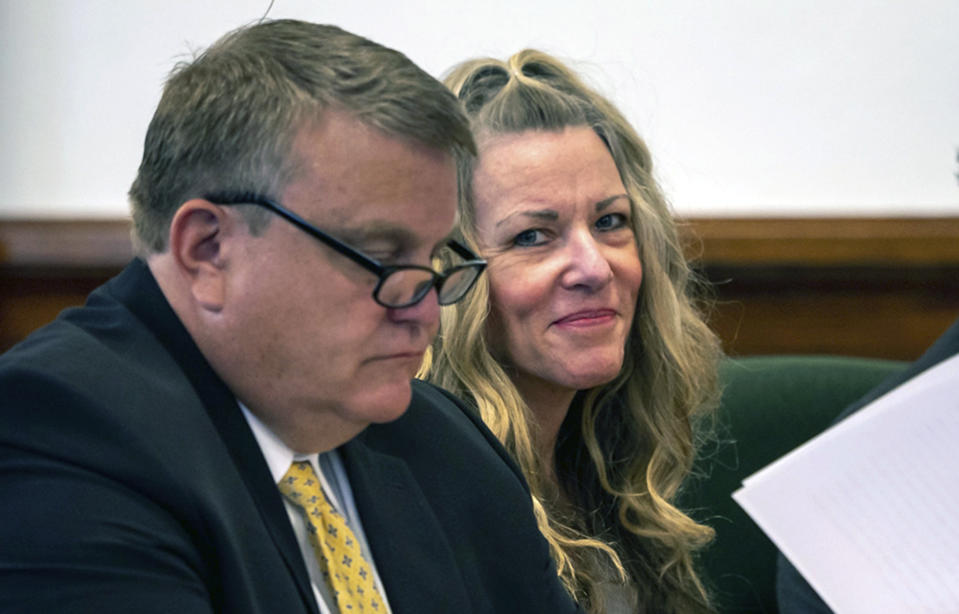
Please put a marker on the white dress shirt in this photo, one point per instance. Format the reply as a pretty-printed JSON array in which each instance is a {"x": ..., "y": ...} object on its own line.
[{"x": 329, "y": 468}]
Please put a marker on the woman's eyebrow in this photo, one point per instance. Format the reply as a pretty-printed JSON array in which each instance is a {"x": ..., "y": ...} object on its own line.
[
  {"x": 606, "y": 202},
  {"x": 548, "y": 215},
  {"x": 552, "y": 215}
]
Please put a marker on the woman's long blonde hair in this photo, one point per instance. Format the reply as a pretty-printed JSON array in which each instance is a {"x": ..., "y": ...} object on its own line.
[{"x": 625, "y": 447}]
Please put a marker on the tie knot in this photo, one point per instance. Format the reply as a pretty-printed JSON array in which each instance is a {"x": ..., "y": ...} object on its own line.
[
  {"x": 299, "y": 470},
  {"x": 300, "y": 483}
]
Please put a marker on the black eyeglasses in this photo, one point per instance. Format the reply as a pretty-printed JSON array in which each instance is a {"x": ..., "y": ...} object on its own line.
[{"x": 400, "y": 285}]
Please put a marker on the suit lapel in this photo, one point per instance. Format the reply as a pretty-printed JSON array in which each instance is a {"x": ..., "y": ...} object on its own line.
[
  {"x": 252, "y": 466},
  {"x": 415, "y": 561},
  {"x": 137, "y": 289}
]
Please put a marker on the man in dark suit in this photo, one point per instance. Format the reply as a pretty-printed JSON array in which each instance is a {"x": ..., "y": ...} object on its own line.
[
  {"x": 229, "y": 424},
  {"x": 794, "y": 594}
]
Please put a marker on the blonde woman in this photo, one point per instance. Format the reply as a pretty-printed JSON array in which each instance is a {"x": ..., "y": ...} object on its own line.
[{"x": 582, "y": 348}]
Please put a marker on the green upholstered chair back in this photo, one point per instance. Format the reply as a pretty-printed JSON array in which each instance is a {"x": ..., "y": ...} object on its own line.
[{"x": 770, "y": 405}]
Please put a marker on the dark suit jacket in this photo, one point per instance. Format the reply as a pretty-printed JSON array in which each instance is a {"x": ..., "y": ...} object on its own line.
[
  {"x": 793, "y": 593},
  {"x": 130, "y": 482}
]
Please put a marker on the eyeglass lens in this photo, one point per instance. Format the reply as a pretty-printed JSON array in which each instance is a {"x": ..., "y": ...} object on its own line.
[
  {"x": 457, "y": 283},
  {"x": 405, "y": 287}
]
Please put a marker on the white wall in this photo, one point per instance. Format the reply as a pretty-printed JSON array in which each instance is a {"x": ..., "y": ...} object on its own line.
[{"x": 751, "y": 107}]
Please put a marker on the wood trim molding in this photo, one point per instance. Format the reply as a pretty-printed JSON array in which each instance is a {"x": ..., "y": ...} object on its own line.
[
  {"x": 64, "y": 245},
  {"x": 724, "y": 242},
  {"x": 824, "y": 242}
]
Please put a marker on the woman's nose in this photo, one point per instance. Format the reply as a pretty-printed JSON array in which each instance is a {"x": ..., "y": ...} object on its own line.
[{"x": 587, "y": 265}]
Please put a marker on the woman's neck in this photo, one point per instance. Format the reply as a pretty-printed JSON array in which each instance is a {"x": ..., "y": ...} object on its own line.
[{"x": 548, "y": 405}]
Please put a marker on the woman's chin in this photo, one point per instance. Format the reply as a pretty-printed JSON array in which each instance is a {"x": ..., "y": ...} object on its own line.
[{"x": 590, "y": 378}]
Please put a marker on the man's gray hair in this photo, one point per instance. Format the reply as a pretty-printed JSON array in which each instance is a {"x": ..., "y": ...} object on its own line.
[{"x": 227, "y": 119}]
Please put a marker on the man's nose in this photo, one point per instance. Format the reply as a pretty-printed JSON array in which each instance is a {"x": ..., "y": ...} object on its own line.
[{"x": 425, "y": 312}]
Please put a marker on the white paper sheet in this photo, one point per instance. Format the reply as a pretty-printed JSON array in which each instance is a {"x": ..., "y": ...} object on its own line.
[{"x": 868, "y": 511}]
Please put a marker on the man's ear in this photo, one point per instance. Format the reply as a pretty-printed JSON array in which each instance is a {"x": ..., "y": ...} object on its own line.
[{"x": 198, "y": 236}]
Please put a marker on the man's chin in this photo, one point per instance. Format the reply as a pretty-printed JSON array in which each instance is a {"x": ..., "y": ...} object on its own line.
[{"x": 387, "y": 402}]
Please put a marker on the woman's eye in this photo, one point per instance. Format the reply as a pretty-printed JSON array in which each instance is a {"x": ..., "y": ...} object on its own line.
[
  {"x": 528, "y": 238},
  {"x": 611, "y": 221}
]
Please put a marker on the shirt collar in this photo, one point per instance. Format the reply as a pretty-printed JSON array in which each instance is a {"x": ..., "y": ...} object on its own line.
[{"x": 278, "y": 455}]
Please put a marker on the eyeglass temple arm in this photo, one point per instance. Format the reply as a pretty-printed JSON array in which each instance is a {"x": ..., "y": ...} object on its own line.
[
  {"x": 249, "y": 198},
  {"x": 464, "y": 252}
]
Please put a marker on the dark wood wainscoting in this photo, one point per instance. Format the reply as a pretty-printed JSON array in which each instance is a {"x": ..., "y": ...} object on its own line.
[
  {"x": 46, "y": 266},
  {"x": 866, "y": 287}
]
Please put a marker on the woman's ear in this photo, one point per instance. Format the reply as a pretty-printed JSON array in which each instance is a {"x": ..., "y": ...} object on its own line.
[{"x": 198, "y": 235}]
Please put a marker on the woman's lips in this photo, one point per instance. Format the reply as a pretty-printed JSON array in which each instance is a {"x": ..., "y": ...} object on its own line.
[{"x": 590, "y": 317}]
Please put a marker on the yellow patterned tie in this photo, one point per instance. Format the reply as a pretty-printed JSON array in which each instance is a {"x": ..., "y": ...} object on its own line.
[{"x": 341, "y": 560}]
